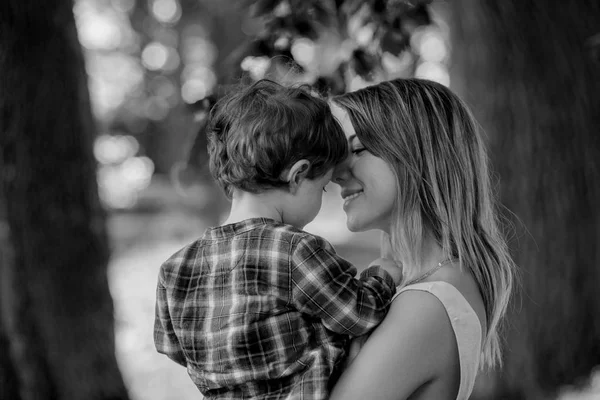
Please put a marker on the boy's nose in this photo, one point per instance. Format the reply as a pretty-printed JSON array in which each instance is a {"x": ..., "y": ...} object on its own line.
[{"x": 341, "y": 172}]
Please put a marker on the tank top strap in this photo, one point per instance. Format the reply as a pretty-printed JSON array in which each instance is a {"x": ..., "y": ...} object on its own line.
[{"x": 466, "y": 326}]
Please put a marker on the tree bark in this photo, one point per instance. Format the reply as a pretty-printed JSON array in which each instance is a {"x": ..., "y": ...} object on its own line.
[
  {"x": 530, "y": 73},
  {"x": 56, "y": 310}
]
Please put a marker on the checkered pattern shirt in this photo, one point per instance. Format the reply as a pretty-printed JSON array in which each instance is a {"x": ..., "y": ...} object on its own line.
[{"x": 262, "y": 310}]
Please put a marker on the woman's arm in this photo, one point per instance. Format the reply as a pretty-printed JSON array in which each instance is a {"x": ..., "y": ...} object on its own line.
[{"x": 413, "y": 345}]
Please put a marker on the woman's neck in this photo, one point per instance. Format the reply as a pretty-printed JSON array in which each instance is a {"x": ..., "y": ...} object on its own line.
[{"x": 431, "y": 255}]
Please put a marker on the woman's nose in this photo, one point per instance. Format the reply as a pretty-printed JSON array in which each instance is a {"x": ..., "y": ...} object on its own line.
[{"x": 341, "y": 172}]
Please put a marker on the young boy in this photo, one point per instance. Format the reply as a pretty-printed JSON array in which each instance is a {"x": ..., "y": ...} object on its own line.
[{"x": 258, "y": 308}]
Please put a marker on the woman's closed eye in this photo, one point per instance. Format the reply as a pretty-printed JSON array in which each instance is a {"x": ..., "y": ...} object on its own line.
[{"x": 356, "y": 147}]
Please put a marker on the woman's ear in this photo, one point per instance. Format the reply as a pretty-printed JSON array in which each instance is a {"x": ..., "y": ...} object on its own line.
[{"x": 297, "y": 173}]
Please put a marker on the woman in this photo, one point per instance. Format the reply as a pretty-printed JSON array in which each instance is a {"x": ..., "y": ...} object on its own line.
[{"x": 418, "y": 172}]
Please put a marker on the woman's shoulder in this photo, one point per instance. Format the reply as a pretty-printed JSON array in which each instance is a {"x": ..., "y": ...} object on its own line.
[
  {"x": 424, "y": 321},
  {"x": 412, "y": 348},
  {"x": 441, "y": 307},
  {"x": 446, "y": 298},
  {"x": 454, "y": 298}
]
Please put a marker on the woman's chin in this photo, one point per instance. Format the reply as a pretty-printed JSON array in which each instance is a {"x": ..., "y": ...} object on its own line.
[
  {"x": 353, "y": 225},
  {"x": 361, "y": 225},
  {"x": 351, "y": 228}
]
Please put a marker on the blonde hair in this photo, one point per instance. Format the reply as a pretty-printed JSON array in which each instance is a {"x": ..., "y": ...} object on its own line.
[{"x": 433, "y": 144}]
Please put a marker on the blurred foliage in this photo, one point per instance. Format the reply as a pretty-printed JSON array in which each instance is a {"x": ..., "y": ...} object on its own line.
[
  {"x": 354, "y": 34},
  {"x": 157, "y": 66}
]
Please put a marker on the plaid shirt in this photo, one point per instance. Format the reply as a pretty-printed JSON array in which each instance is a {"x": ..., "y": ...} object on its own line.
[{"x": 262, "y": 310}]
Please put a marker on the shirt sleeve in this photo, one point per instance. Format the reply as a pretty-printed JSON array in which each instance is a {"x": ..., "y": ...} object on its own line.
[
  {"x": 165, "y": 340},
  {"x": 324, "y": 286}
]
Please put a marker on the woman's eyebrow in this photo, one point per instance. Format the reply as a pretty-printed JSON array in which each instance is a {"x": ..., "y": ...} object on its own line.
[{"x": 351, "y": 138}]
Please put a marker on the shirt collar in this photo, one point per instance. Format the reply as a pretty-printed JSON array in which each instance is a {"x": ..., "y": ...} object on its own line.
[{"x": 236, "y": 228}]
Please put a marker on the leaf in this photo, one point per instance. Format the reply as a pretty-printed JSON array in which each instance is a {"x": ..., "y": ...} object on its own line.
[
  {"x": 306, "y": 29},
  {"x": 263, "y": 7},
  {"x": 419, "y": 15},
  {"x": 394, "y": 42},
  {"x": 280, "y": 25},
  {"x": 363, "y": 63},
  {"x": 351, "y": 7},
  {"x": 324, "y": 14},
  {"x": 255, "y": 48},
  {"x": 286, "y": 58},
  {"x": 379, "y": 6},
  {"x": 330, "y": 85}
]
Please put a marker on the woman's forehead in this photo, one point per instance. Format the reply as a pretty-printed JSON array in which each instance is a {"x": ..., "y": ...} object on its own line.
[{"x": 344, "y": 119}]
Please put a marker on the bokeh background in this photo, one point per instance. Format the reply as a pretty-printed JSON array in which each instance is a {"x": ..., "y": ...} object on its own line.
[{"x": 104, "y": 171}]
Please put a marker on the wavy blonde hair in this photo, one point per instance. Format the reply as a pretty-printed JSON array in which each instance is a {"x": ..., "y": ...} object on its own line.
[{"x": 434, "y": 146}]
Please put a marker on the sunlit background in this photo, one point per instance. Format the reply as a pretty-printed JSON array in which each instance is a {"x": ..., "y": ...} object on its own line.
[
  {"x": 152, "y": 68},
  {"x": 140, "y": 77}
]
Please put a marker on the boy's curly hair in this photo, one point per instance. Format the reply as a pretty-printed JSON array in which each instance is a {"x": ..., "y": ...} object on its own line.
[{"x": 256, "y": 134}]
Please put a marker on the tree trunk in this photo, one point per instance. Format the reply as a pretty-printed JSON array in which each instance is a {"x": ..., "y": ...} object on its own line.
[
  {"x": 56, "y": 326},
  {"x": 533, "y": 79}
]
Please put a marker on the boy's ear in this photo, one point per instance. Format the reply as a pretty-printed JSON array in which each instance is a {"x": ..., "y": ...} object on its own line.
[{"x": 297, "y": 173}]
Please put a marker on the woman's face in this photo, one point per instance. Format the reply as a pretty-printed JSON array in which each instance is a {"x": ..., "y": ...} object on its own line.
[{"x": 369, "y": 186}]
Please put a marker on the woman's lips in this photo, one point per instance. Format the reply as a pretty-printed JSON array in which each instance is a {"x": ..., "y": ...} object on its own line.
[{"x": 348, "y": 198}]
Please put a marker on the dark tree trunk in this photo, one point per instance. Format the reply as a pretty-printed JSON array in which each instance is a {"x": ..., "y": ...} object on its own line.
[
  {"x": 532, "y": 76},
  {"x": 9, "y": 388},
  {"x": 56, "y": 326}
]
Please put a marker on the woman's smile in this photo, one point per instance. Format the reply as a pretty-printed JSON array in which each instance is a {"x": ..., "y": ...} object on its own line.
[{"x": 348, "y": 196}]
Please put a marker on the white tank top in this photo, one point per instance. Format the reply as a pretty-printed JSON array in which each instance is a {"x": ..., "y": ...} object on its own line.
[{"x": 466, "y": 326}]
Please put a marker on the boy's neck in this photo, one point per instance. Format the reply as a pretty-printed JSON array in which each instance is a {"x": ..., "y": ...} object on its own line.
[{"x": 246, "y": 205}]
